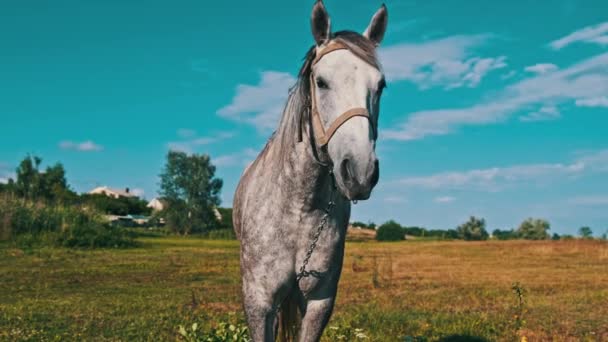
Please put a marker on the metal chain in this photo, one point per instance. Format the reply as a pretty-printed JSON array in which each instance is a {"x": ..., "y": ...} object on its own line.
[{"x": 330, "y": 205}]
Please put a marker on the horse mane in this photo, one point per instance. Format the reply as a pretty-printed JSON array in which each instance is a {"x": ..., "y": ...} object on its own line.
[{"x": 297, "y": 109}]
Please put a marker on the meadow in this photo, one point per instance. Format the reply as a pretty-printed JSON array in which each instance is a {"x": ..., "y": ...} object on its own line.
[{"x": 402, "y": 291}]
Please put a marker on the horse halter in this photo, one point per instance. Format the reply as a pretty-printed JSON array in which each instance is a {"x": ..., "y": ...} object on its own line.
[{"x": 322, "y": 136}]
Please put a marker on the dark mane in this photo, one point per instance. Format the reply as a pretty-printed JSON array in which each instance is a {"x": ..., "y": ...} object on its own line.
[{"x": 297, "y": 110}]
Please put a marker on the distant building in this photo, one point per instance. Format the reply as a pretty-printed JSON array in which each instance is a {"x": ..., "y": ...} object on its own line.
[
  {"x": 104, "y": 190},
  {"x": 157, "y": 204}
]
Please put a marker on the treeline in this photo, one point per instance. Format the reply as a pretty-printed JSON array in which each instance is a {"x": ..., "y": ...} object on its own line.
[
  {"x": 39, "y": 208},
  {"x": 189, "y": 190},
  {"x": 49, "y": 186},
  {"x": 474, "y": 230}
]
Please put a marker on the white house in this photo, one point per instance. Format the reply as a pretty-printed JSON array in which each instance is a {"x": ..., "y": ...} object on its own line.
[
  {"x": 157, "y": 204},
  {"x": 104, "y": 190}
]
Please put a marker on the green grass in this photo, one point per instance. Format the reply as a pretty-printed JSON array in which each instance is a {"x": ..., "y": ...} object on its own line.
[{"x": 418, "y": 291}]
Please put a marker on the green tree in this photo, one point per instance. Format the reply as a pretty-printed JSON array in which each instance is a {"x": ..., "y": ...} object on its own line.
[
  {"x": 50, "y": 185},
  {"x": 504, "y": 234},
  {"x": 534, "y": 229},
  {"x": 555, "y": 237},
  {"x": 226, "y": 221},
  {"x": 390, "y": 231},
  {"x": 585, "y": 232},
  {"x": 116, "y": 206},
  {"x": 28, "y": 182},
  {"x": 473, "y": 229},
  {"x": 189, "y": 186}
]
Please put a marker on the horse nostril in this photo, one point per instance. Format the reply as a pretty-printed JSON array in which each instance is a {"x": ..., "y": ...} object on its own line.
[{"x": 345, "y": 171}]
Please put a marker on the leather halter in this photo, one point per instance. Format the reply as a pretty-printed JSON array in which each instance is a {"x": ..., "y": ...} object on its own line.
[{"x": 322, "y": 135}]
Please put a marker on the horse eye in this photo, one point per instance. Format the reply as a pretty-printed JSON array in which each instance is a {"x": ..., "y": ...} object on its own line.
[{"x": 321, "y": 83}]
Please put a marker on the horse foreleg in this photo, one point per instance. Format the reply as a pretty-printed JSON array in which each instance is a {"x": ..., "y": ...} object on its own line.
[
  {"x": 260, "y": 320},
  {"x": 315, "y": 318}
]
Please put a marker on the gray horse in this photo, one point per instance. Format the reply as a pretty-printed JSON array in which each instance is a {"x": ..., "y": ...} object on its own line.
[{"x": 292, "y": 205}]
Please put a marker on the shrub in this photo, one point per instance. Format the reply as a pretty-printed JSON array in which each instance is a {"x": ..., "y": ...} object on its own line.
[
  {"x": 28, "y": 224},
  {"x": 585, "y": 232},
  {"x": 362, "y": 225},
  {"x": 504, "y": 234},
  {"x": 390, "y": 231},
  {"x": 473, "y": 229},
  {"x": 534, "y": 229}
]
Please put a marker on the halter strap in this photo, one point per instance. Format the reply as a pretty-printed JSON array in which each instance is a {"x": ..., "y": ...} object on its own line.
[{"x": 323, "y": 136}]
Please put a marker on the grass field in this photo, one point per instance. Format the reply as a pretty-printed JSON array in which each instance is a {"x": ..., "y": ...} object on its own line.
[{"x": 406, "y": 291}]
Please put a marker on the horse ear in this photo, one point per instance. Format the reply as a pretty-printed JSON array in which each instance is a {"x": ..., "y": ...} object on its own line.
[
  {"x": 320, "y": 23},
  {"x": 377, "y": 27}
]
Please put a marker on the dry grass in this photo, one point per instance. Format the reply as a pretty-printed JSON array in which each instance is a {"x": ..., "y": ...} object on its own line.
[
  {"x": 425, "y": 290},
  {"x": 566, "y": 296}
]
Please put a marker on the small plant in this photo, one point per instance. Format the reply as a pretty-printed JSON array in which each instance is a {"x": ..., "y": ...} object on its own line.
[
  {"x": 345, "y": 333},
  {"x": 224, "y": 332},
  {"x": 519, "y": 292}
]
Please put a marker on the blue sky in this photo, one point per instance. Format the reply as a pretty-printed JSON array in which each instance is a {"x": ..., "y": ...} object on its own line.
[{"x": 495, "y": 109}]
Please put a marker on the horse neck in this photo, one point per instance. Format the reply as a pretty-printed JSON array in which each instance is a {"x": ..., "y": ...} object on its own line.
[{"x": 297, "y": 170}]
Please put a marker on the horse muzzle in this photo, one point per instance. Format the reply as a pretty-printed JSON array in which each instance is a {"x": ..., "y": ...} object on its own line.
[{"x": 357, "y": 182}]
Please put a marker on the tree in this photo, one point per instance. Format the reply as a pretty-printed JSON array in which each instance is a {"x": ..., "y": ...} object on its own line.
[
  {"x": 50, "y": 185},
  {"x": 28, "y": 182},
  {"x": 555, "y": 237},
  {"x": 473, "y": 229},
  {"x": 189, "y": 186},
  {"x": 585, "y": 232},
  {"x": 504, "y": 234},
  {"x": 534, "y": 229},
  {"x": 362, "y": 225},
  {"x": 226, "y": 221},
  {"x": 390, "y": 231},
  {"x": 414, "y": 231},
  {"x": 116, "y": 206}
]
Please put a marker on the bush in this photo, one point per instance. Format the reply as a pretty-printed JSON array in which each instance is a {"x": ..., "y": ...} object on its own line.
[
  {"x": 473, "y": 230},
  {"x": 534, "y": 229},
  {"x": 362, "y": 225},
  {"x": 504, "y": 234},
  {"x": 27, "y": 224},
  {"x": 390, "y": 231}
]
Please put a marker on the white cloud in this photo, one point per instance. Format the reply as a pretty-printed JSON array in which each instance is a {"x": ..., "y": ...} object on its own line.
[
  {"x": 541, "y": 68},
  {"x": 597, "y": 34},
  {"x": 508, "y": 75},
  {"x": 85, "y": 146},
  {"x": 592, "y": 200},
  {"x": 600, "y": 101},
  {"x": 496, "y": 178},
  {"x": 240, "y": 158},
  {"x": 446, "y": 62},
  {"x": 545, "y": 113},
  {"x": 191, "y": 141},
  {"x": 444, "y": 199},
  {"x": 587, "y": 79},
  {"x": 260, "y": 105}
]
